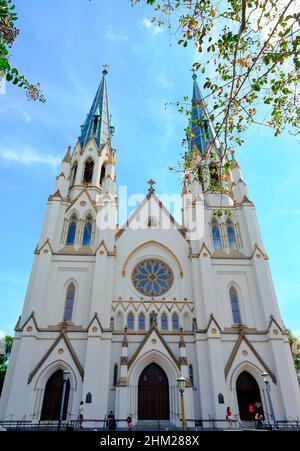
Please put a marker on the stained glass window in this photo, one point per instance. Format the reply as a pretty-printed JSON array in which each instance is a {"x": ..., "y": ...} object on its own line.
[
  {"x": 87, "y": 233},
  {"x": 175, "y": 321},
  {"x": 216, "y": 235},
  {"x": 141, "y": 321},
  {"x": 130, "y": 321},
  {"x": 71, "y": 231},
  {"x": 235, "y": 306},
  {"x": 152, "y": 277},
  {"x": 164, "y": 322},
  {"x": 69, "y": 302},
  {"x": 231, "y": 234}
]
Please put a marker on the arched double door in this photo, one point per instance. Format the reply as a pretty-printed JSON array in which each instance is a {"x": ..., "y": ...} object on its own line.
[
  {"x": 52, "y": 397},
  {"x": 153, "y": 394},
  {"x": 248, "y": 395}
]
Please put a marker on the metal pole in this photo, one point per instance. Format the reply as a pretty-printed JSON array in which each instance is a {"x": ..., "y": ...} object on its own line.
[
  {"x": 270, "y": 403},
  {"x": 61, "y": 405},
  {"x": 182, "y": 411}
]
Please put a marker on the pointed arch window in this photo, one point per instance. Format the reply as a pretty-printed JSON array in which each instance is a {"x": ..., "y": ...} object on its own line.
[
  {"x": 87, "y": 231},
  {"x": 216, "y": 234},
  {"x": 235, "y": 306},
  {"x": 191, "y": 374},
  {"x": 115, "y": 378},
  {"x": 141, "y": 321},
  {"x": 72, "y": 231},
  {"x": 88, "y": 171},
  {"x": 231, "y": 234},
  {"x": 102, "y": 175},
  {"x": 175, "y": 321},
  {"x": 130, "y": 321},
  {"x": 73, "y": 173},
  {"x": 164, "y": 321},
  {"x": 69, "y": 302}
]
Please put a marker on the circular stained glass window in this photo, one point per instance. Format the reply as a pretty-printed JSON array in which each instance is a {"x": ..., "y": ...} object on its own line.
[{"x": 152, "y": 277}]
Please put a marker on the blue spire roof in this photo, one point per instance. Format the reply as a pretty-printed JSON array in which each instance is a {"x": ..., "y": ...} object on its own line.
[
  {"x": 201, "y": 126},
  {"x": 97, "y": 123}
]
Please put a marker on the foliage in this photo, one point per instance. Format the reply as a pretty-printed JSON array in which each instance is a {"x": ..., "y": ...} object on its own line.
[
  {"x": 248, "y": 57},
  {"x": 292, "y": 339},
  {"x": 5, "y": 357},
  {"x": 8, "y": 34}
]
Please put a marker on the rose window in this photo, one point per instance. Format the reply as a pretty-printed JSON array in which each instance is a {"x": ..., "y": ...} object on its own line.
[{"x": 152, "y": 277}]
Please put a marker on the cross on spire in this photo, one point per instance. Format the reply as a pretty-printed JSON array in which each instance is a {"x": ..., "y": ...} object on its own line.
[
  {"x": 105, "y": 69},
  {"x": 194, "y": 76},
  {"x": 151, "y": 182}
]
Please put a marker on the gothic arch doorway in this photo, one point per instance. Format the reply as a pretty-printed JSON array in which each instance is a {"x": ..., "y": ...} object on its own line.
[
  {"x": 248, "y": 394},
  {"x": 51, "y": 401},
  {"x": 153, "y": 394}
]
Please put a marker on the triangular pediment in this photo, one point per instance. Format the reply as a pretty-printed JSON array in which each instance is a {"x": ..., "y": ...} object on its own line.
[
  {"x": 82, "y": 202},
  {"x": 151, "y": 208},
  {"x": 243, "y": 350},
  {"x": 60, "y": 346},
  {"x": 153, "y": 341}
]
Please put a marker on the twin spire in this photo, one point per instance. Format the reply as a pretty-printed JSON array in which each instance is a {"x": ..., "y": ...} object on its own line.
[
  {"x": 202, "y": 129},
  {"x": 97, "y": 123}
]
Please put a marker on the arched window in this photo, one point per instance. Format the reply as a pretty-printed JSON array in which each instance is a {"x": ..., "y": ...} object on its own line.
[
  {"x": 164, "y": 321},
  {"x": 88, "y": 171},
  {"x": 141, "y": 321},
  {"x": 235, "y": 306},
  {"x": 130, "y": 321},
  {"x": 87, "y": 232},
  {"x": 151, "y": 222},
  {"x": 175, "y": 321},
  {"x": 73, "y": 174},
  {"x": 191, "y": 374},
  {"x": 69, "y": 302},
  {"x": 216, "y": 234},
  {"x": 231, "y": 234},
  {"x": 115, "y": 380},
  {"x": 72, "y": 231},
  {"x": 102, "y": 175}
]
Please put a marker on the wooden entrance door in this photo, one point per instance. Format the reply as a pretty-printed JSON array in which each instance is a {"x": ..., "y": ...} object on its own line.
[
  {"x": 153, "y": 394},
  {"x": 51, "y": 402}
]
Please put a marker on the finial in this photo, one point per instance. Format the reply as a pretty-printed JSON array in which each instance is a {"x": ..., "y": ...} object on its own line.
[
  {"x": 151, "y": 182},
  {"x": 125, "y": 341},
  {"x": 194, "y": 76},
  {"x": 105, "y": 69},
  {"x": 181, "y": 340}
]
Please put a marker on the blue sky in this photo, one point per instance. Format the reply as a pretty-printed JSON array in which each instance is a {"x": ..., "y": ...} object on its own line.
[{"x": 62, "y": 45}]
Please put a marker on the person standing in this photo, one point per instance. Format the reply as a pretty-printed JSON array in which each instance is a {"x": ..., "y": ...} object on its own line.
[
  {"x": 129, "y": 423},
  {"x": 229, "y": 416},
  {"x": 80, "y": 416}
]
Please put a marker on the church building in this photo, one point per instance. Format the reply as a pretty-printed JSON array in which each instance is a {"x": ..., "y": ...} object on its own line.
[{"x": 125, "y": 310}]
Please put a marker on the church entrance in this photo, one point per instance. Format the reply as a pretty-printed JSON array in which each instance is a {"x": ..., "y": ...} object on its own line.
[
  {"x": 153, "y": 394},
  {"x": 248, "y": 395},
  {"x": 51, "y": 402}
]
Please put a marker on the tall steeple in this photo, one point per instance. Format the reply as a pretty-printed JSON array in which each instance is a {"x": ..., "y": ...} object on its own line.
[
  {"x": 97, "y": 123},
  {"x": 201, "y": 127}
]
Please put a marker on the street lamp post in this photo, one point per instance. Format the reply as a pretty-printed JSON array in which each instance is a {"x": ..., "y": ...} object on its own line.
[
  {"x": 265, "y": 377},
  {"x": 66, "y": 374},
  {"x": 181, "y": 381}
]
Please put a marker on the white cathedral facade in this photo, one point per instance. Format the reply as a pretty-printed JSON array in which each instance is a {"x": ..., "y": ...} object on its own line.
[{"x": 128, "y": 310}]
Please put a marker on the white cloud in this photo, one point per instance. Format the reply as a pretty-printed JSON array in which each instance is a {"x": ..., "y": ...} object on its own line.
[
  {"x": 116, "y": 35},
  {"x": 28, "y": 157},
  {"x": 14, "y": 109},
  {"x": 163, "y": 81},
  {"x": 154, "y": 29},
  {"x": 2, "y": 334}
]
